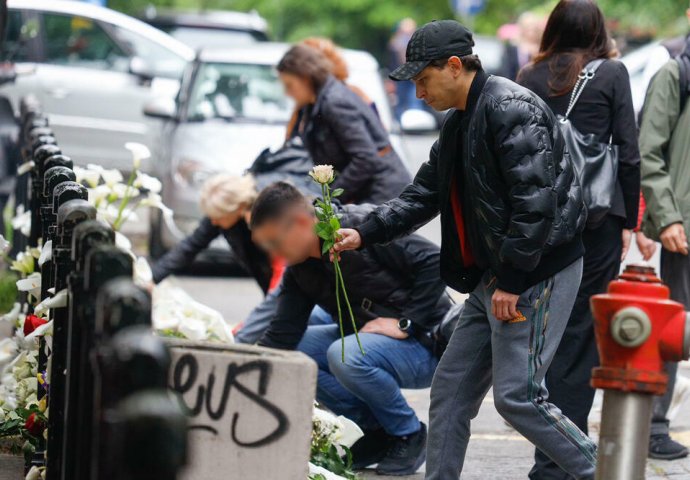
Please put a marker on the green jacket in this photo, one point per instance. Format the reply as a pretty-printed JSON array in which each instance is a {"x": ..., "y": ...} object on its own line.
[{"x": 665, "y": 153}]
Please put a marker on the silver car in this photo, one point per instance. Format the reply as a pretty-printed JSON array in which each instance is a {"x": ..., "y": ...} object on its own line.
[
  {"x": 92, "y": 69},
  {"x": 231, "y": 106}
]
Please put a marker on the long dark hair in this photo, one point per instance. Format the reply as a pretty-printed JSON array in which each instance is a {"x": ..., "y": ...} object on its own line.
[
  {"x": 575, "y": 34},
  {"x": 307, "y": 62}
]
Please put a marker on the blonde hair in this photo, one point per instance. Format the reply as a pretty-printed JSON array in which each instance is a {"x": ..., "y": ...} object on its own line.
[{"x": 224, "y": 194}]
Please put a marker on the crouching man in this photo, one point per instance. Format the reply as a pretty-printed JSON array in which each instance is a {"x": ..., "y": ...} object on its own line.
[{"x": 397, "y": 298}]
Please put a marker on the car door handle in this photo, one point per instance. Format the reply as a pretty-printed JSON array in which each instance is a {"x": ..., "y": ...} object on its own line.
[{"x": 58, "y": 92}]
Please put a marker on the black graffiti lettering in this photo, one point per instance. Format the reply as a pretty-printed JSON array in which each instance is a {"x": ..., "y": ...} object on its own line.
[
  {"x": 278, "y": 414},
  {"x": 188, "y": 361},
  {"x": 185, "y": 377}
]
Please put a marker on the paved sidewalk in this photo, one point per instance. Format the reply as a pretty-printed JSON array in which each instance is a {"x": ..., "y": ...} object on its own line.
[{"x": 497, "y": 452}]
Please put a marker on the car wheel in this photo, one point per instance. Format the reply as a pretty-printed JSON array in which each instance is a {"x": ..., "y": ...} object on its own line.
[{"x": 156, "y": 247}]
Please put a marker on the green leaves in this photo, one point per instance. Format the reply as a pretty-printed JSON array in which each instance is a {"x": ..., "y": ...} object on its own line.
[{"x": 337, "y": 192}]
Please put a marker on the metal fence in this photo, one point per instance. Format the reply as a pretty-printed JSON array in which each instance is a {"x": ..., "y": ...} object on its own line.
[{"x": 110, "y": 415}]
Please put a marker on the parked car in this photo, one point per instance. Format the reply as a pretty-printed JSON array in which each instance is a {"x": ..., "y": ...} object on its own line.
[
  {"x": 231, "y": 106},
  {"x": 209, "y": 28},
  {"x": 92, "y": 69}
]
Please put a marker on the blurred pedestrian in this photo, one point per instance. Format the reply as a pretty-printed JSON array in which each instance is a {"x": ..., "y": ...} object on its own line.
[
  {"x": 405, "y": 96},
  {"x": 665, "y": 149},
  {"x": 339, "y": 70},
  {"x": 524, "y": 47},
  {"x": 398, "y": 298},
  {"x": 226, "y": 201},
  {"x": 340, "y": 129},
  {"x": 511, "y": 215},
  {"x": 576, "y": 35}
]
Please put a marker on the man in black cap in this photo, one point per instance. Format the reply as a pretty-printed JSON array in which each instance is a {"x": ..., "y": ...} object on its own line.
[{"x": 511, "y": 215}]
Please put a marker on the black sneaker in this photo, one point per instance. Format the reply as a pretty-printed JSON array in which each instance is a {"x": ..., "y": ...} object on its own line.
[
  {"x": 405, "y": 456},
  {"x": 663, "y": 447},
  {"x": 370, "y": 449}
]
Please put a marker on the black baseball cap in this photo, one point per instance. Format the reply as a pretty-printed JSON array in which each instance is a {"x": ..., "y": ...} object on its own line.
[{"x": 435, "y": 40}]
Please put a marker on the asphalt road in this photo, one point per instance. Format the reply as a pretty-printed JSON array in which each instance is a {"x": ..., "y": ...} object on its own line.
[{"x": 496, "y": 451}]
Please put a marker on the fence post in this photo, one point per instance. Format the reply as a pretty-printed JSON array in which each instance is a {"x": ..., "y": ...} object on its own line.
[
  {"x": 141, "y": 428},
  {"x": 69, "y": 201},
  {"x": 96, "y": 260}
]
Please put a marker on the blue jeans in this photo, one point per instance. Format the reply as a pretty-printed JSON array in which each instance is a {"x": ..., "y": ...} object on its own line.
[
  {"x": 260, "y": 318},
  {"x": 366, "y": 388}
]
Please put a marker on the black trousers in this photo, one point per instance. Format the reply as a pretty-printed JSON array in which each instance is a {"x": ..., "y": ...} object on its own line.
[{"x": 568, "y": 377}]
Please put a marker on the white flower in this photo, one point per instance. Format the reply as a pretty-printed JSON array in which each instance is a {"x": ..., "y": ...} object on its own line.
[
  {"x": 194, "y": 329},
  {"x": 336, "y": 429},
  {"x": 24, "y": 263},
  {"x": 58, "y": 300},
  {"x": 322, "y": 174},
  {"x": 25, "y": 167},
  {"x": 109, "y": 176},
  {"x": 88, "y": 176},
  {"x": 8, "y": 349},
  {"x": 143, "y": 276},
  {"x": 121, "y": 241},
  {"x": 45, "y": 330},
  {"x": 154, "y": 200},
  {"x": 98, "y": 194},
  {"x": 4, "y": 244},
  {"x": 122, "y": 190},
  {"x": 22, "y": 221},
  {"x": 148, "y": 183},
  {"x": 13, "y": 314},
  {"x": 139, "y": 152},
  {"x": 31, "y": 284},
  {"x": 34, "y": 474},
  {"x": 46, "y": 253}
]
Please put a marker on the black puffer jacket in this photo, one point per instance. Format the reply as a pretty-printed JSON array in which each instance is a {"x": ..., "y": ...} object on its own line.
[
  {"x": 398, "y": 280},
  {"x": 521, "y": 200},
  {"x": 343, "y": 131}
]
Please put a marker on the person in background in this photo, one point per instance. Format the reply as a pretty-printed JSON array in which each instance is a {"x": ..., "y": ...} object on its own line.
[
  {"x": 522, "y": 49},
  {"x": 340, "y": 129},
  {"x": 404, "y": 91},
  {"x": 397, "y": 298},
  {"x": 575, "y": 35},
  {"x": 665, "y": 151},
  {"x": 226, "y": 201},
  {"x": 512, "y": 213},
  {"x": 339, "y": 70}
]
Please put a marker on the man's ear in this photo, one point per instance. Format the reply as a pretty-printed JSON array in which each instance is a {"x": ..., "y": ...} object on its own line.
[{"x": 455, "y": 65}]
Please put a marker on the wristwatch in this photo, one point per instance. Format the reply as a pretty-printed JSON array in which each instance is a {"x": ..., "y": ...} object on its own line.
[{"x": 405, "y": 324}]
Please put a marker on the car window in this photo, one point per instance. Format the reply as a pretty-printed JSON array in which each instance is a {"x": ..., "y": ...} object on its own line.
[
  {"x": 81, "y": 42},
  {"x": 238, "y": 91},
  {"x": 210, "y": 37},
  {"x": 19, "y": 34},
  {"x": 162, "y": 61}
]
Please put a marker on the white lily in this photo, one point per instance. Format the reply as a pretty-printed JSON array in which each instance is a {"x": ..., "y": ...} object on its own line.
[
  {"x": 58, "y": 300},
  {"x": 88, "y": 176},
  {"x": 4, "y": 244},
  {"x": 22, "y": 221},
  {"x": 139, "y": 152},
  {"x": 148, "y": 183},
  {"x": 46, "y": 253},
  {"x": 24, "y": 263},
  {"x": 121, "y": 241},
  {"x": 193, "y": 329},
  {"x": 13, "y": 314},
  {"x": 143, "y": 276},
  {"x": 44, "y": 330},
  {"x": 8, "y": 349},
  {"x": 25, "y": 167},
  {"x": 31, "y": 284}
]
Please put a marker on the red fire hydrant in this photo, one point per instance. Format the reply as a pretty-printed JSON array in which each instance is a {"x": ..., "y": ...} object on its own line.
[{"x": 638, "y": 328}]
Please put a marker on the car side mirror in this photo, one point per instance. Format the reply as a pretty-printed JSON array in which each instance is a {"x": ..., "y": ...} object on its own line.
[
  {"x": 162, "y": 107},
  {"x": 417, "y": 122},
  {"x": 140, "y": 68}
]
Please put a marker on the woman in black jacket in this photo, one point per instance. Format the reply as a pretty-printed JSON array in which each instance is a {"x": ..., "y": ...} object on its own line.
[
  {"x": 575, "y": 35},
  {"x": 340, "y": 129}
]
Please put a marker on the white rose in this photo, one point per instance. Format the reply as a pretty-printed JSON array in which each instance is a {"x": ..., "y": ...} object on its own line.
[{"x": 322, "y": 174}]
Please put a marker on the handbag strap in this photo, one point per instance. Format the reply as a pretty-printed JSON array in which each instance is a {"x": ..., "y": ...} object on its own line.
[{"x": 585, "y": 76}]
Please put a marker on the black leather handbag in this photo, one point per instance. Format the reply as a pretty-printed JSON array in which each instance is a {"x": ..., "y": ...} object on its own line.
[{"x": 595, "y": 163}]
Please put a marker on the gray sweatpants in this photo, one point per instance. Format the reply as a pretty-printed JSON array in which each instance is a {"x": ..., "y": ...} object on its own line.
[{"x": 514, "y": 356}]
